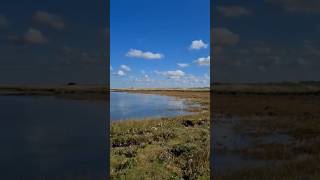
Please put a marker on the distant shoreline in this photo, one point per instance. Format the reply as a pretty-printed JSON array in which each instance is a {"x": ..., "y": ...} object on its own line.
[{"x": 101, "y": 91}]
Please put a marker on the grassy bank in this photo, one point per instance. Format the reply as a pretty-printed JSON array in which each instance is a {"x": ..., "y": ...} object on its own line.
[{"x": 165, "y": 148}]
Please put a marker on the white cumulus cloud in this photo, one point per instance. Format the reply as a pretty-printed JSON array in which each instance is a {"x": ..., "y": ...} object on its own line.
[
  {"x": 120, "y": 73},
  {"x": 183, "y": 65},
  {"x": 125, "y": 68},
  {"x": 203, "y": 61},
  {"x": 198, "y": 44},
  {"x": 177, "y": 74},
  {"x": 135, "y": 53},
  {"x": 145, "y": 78}
]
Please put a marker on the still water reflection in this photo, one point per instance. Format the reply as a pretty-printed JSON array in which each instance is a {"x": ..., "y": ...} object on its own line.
[{"x": 135, "y": 106}]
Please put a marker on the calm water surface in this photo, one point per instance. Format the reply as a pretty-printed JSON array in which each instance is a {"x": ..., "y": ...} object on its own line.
[
  {"x": 137, "y": 106},
  {"x": 45, "y": 137}
]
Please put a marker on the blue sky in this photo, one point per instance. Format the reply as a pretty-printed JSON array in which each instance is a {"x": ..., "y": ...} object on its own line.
[{"x": 151, "y": 43}]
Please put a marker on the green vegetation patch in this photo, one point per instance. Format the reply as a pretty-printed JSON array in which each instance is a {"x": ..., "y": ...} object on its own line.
[{"x": 165, "y": 148}]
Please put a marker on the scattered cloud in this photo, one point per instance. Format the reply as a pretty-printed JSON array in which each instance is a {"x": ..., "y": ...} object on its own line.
[
  {"x": 198, "y": 44},
  {"x": 225, "y": 37},
  {"x": 206, "y": 77},
  {"x": 51, "y": 20},
  {"x": 111, "y": 69},
  {"x": 125, "y": 68},
  {"x": 175, "y": 78},
  {"x": 4, "y": 23},
  {"x": 34, "y": 36},
  {"x": 135, "y": 53},
  {"x": 183, "y": 65},
  {"x": 177, "y": 74},
  {"x": 234, "y": 11},
  {"x": 145, "y": 78},
  {"x": 204, "y": 61},
  {"x": 191, "y": 80},
  {"x": 120, "y": 73}
]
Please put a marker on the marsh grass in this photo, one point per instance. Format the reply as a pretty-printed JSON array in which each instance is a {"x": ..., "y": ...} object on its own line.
[{"x": 162, "y": 148}]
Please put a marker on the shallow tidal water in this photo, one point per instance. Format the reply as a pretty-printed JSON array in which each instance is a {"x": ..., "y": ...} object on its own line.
[{"x": 139, "y": 106}]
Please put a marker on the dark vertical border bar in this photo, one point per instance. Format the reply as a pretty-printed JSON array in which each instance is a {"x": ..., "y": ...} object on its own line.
[
  {"x": 108, "y": 89},
  {"x": 211, "y": 92}
]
